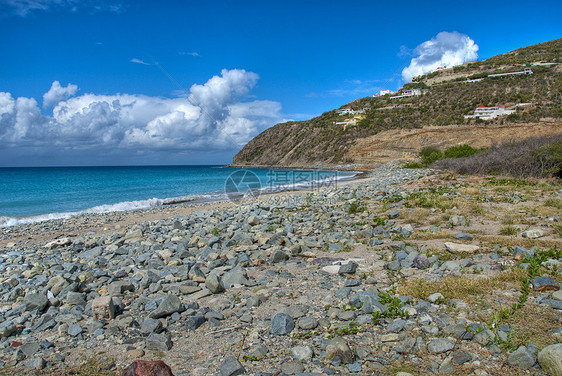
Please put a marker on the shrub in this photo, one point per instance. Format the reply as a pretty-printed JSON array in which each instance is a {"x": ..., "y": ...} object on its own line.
[
  {"x": 430, "y": 155},
  {"x": 412, "y": 165},
  {"x": 461, "y": 151},
  {"x": 535, "y": 157}
]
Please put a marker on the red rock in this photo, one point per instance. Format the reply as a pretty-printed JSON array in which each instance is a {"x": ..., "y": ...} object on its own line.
[
  {"x": 16, "y": 344},
  {"x": 147, "y": 368}
]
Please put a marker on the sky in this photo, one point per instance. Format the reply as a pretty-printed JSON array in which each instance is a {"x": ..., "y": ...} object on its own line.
[{"x": 119, "y": 82}]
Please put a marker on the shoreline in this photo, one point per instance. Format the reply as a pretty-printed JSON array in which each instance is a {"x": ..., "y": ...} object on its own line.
[{"x": 40, "y": 232}]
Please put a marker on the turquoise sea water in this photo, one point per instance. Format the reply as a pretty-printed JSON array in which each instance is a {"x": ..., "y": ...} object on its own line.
[{"x": 36, "y": 194}]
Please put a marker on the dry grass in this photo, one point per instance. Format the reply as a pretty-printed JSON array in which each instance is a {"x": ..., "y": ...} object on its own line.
[
  {"x": 521, "y": 242},
  {"x": 462, "y": 287},
  {"x": 532, "y": 323},
  {"x": 438, "y": 235}
]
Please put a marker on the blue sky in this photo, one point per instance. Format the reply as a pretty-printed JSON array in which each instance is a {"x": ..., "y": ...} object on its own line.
[{"x": 105, "y": 82}]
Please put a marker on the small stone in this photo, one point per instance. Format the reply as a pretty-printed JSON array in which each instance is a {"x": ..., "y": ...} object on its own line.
[
  {"x": 7, "y": 328},
  {"x": 253, "y": 220},
  {"x": 457, "y": 220},
  {"x": 544, "y": 283},
  {"x": 533, "y": 233},
  {"x": 394, "y": 214},
  {"x": 36, "y": 301},
  {"x": 550, "y": 359},
  {"x": 35, "y": 363},
  {"x": 58, "y": 243},
  {"x": 461, "y": 248},
  {"x": 214, "y": 283},
  {"x": 161, "y": 342},
  {"x": 292, "y": 367},
  {"x": 421, "y": 262},
  {"x": 147, "y": 368},
  {"x": 557, "y": 295},
  {"x": 307, "y": 323},
  {"x": 282, "y": 324},
  {"x": 103, "y": 308},
  {"x": 74, "y": 330},
  {"x": 136, "y": 353},
  {"x": 150, "y": 325},
  {"x": 440, "y": 345},
  {"x": 391, "y": 337},
  {"x": 354, "y": 367},
  {"x": 302, "y": 353},
  {"x": 169, "y": 305},
  {"x": 231, "y": 367},
  {"x": 348, "y": 268},
  {"x": 396, "y": 326},
  {"x": 195, "y": 322},
  {"x": 338, "y": 347},
  {"x": 435, "y": 297},
  {"x": 461, "y": 357},
  {"x": 522, "y": 358},
  {"x": 279, "y": 256},
  {"x": 464, "y": 236}
]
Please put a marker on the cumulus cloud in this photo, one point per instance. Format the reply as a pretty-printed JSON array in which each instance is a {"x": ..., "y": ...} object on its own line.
[
  {"x": 58, "y": 93},
  {"x": 445, "y": 49},
  {"x": 215, "y": 116}
]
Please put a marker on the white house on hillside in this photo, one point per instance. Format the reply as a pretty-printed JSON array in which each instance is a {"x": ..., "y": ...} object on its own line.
[
  {"x": 345, "y": 111},
  {"x": 410, "y": 93},
  {"x": 488, "y": 113}
]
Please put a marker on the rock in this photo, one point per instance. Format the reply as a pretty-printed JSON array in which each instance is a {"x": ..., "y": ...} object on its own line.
[
  {"x": 150, "y": 325},
  {"x": 550, "y": 359},
  {"x": 339, "y": 347},
  {"x": 282, "y": 324},
  {"x": 214, "y": 283},
  {"x": 464, "y": 236},
  {"x": 292, "y": 367},
  {"x": 533, "y": 233},
  {"x": 302, "y": 353},
  {"x": 117, "y": 288},
  {"x": 557, "y": 295},
  {"x": 36, "y": 301},
  {"x": 396, "y": 326},
  {"x": 354, "y": 367},
  {"x": 457, "y": 220},
  {"x": 279, "y": 256},
  {"x": 307, "y": 323},
  {"x": 231, "y": 367},
  {"x": 421, "y": 262},
  {"x": 103, "y": 308},
  {"x": 440, "y": 345},
  {"x": 58, "y": 243},
  {"x": 435, "y": 297},
  {"x": 7, "y": 328},
  {"x": 522, "y": 358},
  {"x": 394, "y": 214},
  {"x": 253, "y": 220},
  {"x": 195, "y": 322},
  {"x": 169, "y": 305},
  {"x": 460, "y": 357},
  {"x": 135, "y": 353},
  {"x": 461, "y": 248},
  {"x": 557, "y": 304},
  {"x": 348, "y": 268},
  {"x": 160, "y": 342},
  {"x": 35, "y": 363},
  {"x": 133, "y": 236},
  {"x": 484, "y": 337},
  {"x": 74, "y": 330},
  {"x": 147, "y": 368},
  {"x": 544, "y": 283}
]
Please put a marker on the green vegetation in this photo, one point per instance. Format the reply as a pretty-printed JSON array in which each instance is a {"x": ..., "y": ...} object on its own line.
[
  {"x": 509, "y": 230},
  {"x": 430, "y": 154}
]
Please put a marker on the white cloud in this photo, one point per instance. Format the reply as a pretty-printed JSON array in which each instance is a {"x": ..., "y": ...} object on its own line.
[
  {"x": 215, "y": 117},
  {"x": 445, "y": 49},
  {"x": 25, "y": 7},
  {"x": 58, "y": 93},
  {"x": 138, "y": 61},
  {"x": 194, "y": 54}
]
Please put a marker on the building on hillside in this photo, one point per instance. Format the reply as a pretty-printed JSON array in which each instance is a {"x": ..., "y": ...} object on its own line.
[
  {"x": 346, "y": 111},
  {"x": 488, "y": 113},
  {"x": 350, "y": 122},
  {"x": 411, "y": 93},
  {"x": 525, "y": 71}
]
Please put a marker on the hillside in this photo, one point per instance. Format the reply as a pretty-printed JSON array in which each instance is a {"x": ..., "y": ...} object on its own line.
[{"x": 320, "y": 141}]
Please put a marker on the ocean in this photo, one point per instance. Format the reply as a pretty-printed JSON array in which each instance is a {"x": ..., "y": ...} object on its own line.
[{"x": 35, "y": 194}]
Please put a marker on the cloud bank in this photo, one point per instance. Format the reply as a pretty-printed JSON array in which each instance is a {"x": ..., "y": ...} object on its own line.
[
  {"x": 445, "y": 49},
  {"x": 214, "y": 118}
]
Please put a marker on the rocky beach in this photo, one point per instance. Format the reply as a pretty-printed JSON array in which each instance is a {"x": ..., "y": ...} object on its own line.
[{"x": 405, "y": 272}]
